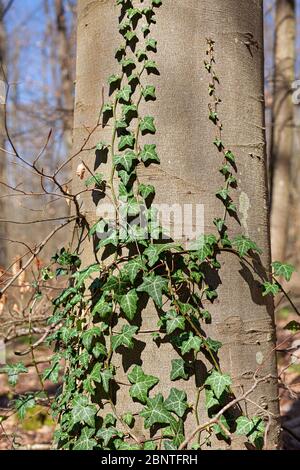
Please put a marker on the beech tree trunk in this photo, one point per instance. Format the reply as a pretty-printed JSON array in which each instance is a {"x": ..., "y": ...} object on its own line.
[
  {"x": 282, "y": 122},
  {"x": 242, "y": 318}
]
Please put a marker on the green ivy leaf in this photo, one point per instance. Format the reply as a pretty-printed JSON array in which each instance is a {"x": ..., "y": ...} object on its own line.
[
  {"x": 151, "y": 44},
  {"x": 126, "y": 141},
  {"x": 82, "y": 276},
  {"x": 126, "y": 161},
  {"x": 106, "y": 434},
  {"x": 174, "y": 322},
  {"x": 210, "y": 399},
  {"x": 244, "y": 245},
  {"x": 270, "y": 288},
  {"x": 128, "y": 419},
  {"x": 124, "y": 338},
  {"x": 128, "y": 304},
  {"x": 85, "y": 441},
  {"x": 178, "y": 370},
  {"x": 149, "y": 154},
  {"x": 150, "y": 445},
  {"x": 149, "y": 92},
  {"x": 114, "y": 79},
  {"x": 154, "y": 286},
  {"x": 284, "y": 270},
  {"x": 125, "y": 93},
  {"x": 23, "y": 404},
  {"x": 151, "y": 66},
  {"x": 177, "y": 402},
  {"x": 106, "y": 376},
  {"x": 218, "y": 382},
  {"x": 13, "y": 371},
  {"x": 142, "y": 384},
  {"x": 94, "y": 332},
  {"x": 145, "y": 190},
  {"x": 147, "y": 125},
  {"x": 133, "y": 268},
  {"x": 83, "y": 411},
  {"x": 189, "y": 342},
  {"x": 293, "y": 326},
  {"x": 95, "y": 179},
  {"x": 155, "y": 412}
]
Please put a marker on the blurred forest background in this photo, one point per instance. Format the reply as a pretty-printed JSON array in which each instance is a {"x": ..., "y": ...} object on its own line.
[{"x": 37, "y": 54}]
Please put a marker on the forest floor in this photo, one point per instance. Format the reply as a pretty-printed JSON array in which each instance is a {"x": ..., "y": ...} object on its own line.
[{"x": 36, "y": 431}]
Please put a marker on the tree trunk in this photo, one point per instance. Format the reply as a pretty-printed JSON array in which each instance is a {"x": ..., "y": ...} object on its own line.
[
  {"x": 242, "y": 318},
  {"x": 282, "y": 122},
  {"x": 66, "y": 99}
]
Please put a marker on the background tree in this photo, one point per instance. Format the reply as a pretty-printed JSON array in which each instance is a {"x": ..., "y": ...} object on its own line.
[{"x": 282, "y": 125}]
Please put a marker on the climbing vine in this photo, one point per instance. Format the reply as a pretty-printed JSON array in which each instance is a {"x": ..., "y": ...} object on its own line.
[{"x": 98, "y": 313}]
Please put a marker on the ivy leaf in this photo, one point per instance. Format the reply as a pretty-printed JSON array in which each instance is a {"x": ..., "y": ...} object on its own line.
[
  {"x": 293, "y": 326},
  {"x": 88, "y": 336},
  {"x": 85, "y": 441},
  {"x": 218, "y": 382},
  {"x": 178, "y": 369},
  {"x": 174, "y": 322},
  {"x": 217, "y": 428},
  {"x": 156, "y": 3},
  {"x": 95, "y": 179},
  {"x": 176, "y": 402},
  {"x": 102, "y": 307},
  {"x": 13, "y": 371},
  {"x": 129, "y": 35},
  {"x": 284, "y": 270},
  {"x": 142, "y": 384},
  {"x": 149, "y": 92},
  {"x": 154, "y": 286},
  {"x": 125, "y": 161},
  {"x": 151, "y": 44},
  {"x": 153, "y": 252},
  {"x": 124, "y": 338},
  {"x": 149, "y": 154},
  {"x": 169, "y": 445},
  {"x": 244, "y": 245},
  {"x": 126, "y": 141},
  {"x": 128, "y": 304},
  {"x": 155, "y": 412},
  {"x": 133, "y": 267},
  {"x": 128, "y": 419},
  {"x": 106, "y": 376},
  {"x": 229, "y": 156},
  {"x": 83, "y": 411},
  {"x": 95, "y": 374},
  {"x": 121, "y": 445},
  {"x": 114, "y": 79},
  {"x": 212, "y": 344},
  {"x": 210, "y": 399},
  {"x": 223, "y": 193},
  {"x": 128, "y": 63},
  {"x": 244, "y": 426},
  {"x": 270, "y": 288},
  {"x": 124, "y": 176},
  {"x": 24, "y": 404},
  {"x": 106, "y": 434},
  {"x": 190, "y": 342},
  {"x": 150, "y": 445},
  {"x": 145, "y": 190},
  {"x": 151, "y": 66},
  {"x": 82, "y": 276},
  {"x": 147, "y": 125},
  {"x": 125, "y": 93}
]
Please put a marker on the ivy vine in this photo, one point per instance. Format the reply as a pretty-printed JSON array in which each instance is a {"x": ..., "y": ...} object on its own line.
[{"x": 88, "y": 312}]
